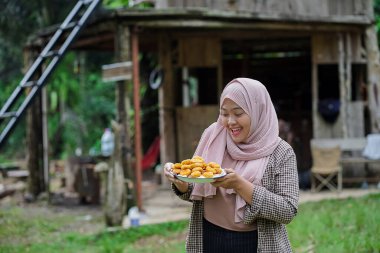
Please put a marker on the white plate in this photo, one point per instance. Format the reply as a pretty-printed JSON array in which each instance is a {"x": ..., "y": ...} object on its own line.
[{"x": 201, "y": 179}]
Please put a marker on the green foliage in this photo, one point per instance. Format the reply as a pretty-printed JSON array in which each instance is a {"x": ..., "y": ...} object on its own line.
[
  {"x": 377, "y": 15},
  {"x": 112, "y": 4},
  {"x": 116, "y": 3},
  {"x": 18, "y": 20},
  {"x": 81, "y": 106},
  {"x": 16, "y": 139}
]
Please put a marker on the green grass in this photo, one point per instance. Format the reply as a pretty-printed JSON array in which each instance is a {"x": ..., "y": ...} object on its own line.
[
  {"x": 350, "y": 225},
  {"x": 22, "y": 232}
]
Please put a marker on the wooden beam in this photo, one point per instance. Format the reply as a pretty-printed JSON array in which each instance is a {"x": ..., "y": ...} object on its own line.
[
  {"x": 248, "y": 24},
  {"x": 244, "y": 15},
  {"x": 93, "y": 40},
  {"x": 166, "y": 103}
]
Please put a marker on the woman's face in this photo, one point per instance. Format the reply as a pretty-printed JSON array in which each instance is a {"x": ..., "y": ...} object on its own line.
[{"x": 236, "y": 120}]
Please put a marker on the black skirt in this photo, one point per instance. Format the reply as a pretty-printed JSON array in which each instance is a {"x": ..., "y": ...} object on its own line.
[{"x": 221, "y": 240}]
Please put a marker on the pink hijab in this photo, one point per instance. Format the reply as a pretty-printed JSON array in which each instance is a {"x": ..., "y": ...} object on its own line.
[{"x": 251, "y": 156}]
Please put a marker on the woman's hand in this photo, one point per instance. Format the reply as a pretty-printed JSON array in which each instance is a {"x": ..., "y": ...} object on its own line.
[
  {"x": 236, "y": 182},
  {"x": 230, "y": 181},
  {"x": 181, "y": 186}
]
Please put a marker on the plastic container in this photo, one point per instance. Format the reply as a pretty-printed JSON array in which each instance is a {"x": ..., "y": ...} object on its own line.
[
  {"x": 134, "y": 216},
  {"x": 107, "y": 142}
]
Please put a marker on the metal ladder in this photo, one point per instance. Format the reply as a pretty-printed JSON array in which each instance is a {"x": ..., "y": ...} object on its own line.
[{"x": 35, "y": 79}]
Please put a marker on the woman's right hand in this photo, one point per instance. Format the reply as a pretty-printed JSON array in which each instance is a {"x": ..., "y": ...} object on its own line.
[{"x": 181, "y": 186}]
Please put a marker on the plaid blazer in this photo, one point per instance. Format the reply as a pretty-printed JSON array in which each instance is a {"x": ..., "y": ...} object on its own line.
[{"x": 274, "y": 204}]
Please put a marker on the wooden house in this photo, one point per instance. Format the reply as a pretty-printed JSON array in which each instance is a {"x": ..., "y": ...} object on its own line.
[{"x": 318, "y": 58}]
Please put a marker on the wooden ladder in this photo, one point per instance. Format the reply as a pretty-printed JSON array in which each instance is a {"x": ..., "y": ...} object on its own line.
[{"x": 50, "y": 56}]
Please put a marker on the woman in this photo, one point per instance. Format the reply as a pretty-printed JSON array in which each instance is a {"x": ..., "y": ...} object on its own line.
[{"x": 245, "y": 211}]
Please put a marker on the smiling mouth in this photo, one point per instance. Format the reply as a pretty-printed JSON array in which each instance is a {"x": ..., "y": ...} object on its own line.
[{"x": 235, "y": 132}]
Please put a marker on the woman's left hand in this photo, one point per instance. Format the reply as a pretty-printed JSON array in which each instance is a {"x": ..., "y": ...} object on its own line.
[
  {"x": 230, "y": 181},
  {"x": 236, "y": 182}
]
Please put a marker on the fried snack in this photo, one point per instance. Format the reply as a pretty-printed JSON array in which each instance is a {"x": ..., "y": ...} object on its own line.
[
  {"x": 185, "y": 172},
  {"x": 196, "y": 167},
  {"x": 177, "y": 171},
  {"x": 186, "y": 167},
  {"x": 198, "y": 157},
  {"x": 213, "y": 165},
  {"x": 208, "y": 174},
  {"x": 186, "y": 162},
  {"x": 218, "y": 170},
  {"x": 177, "y": 166},
  {"x": 196, "y": 173}
]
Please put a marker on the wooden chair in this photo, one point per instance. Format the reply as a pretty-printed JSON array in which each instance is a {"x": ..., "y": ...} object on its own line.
[{"x": 326, "y": 167}]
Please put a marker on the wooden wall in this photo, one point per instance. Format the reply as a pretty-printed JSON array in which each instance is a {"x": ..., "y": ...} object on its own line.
[
  {"x": 305, "y": 8},
  {"x": 341, "y": 50},
  {"x": 191, "y": 121},
  {"x": 199, "y": 52},
  {"x": 326, "y": 48}
]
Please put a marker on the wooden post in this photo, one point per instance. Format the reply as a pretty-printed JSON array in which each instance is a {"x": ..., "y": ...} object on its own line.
[
  {"x": 315, "y": 97},
  {"x": 348, "y": 67},
  {"x": 373, "y": 77},
  {"x": 45, "y": 141},
  {"x": 347, "y": 84},
  {"x": 123, "y": 53},
  {"x": 342, "y": 84},
  {"x": 136, "y": 100},
  {"x": 220, "y": 72},
  {"x": 166, "y": 103}
]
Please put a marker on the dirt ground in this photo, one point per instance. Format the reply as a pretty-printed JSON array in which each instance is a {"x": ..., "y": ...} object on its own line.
[{"x": 86, "y": 219}]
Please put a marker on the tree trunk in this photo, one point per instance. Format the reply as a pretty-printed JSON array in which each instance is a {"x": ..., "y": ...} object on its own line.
[
  {"x": 36, "y": 183},
  {"x": 34, "y": 160},
  {"x": 115, "y": 202}
]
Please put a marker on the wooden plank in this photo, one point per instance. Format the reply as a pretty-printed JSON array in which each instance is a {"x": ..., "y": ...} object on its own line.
[
  {"x": 357, "y": 49},
  {"x": 325, "y": 50},
  {"x": 351, "y": 160},
  {"x": 121, "y": 71},
  {"x": 374, "y": 179},
  {"x": 349, "y": 144},
  {"x": 355, "y": 119}
]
